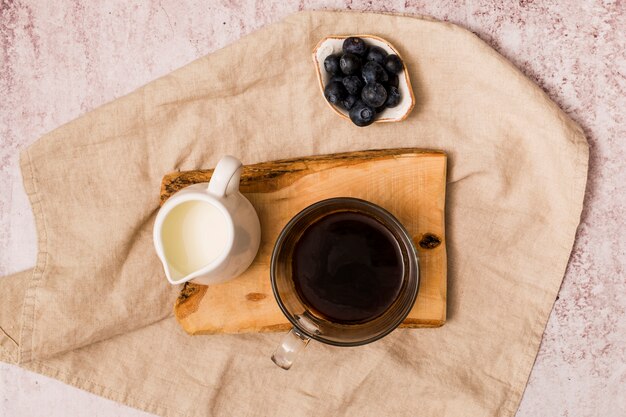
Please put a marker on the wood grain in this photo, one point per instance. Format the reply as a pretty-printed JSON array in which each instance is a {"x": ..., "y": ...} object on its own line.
[{"x": 410, "y": 183}]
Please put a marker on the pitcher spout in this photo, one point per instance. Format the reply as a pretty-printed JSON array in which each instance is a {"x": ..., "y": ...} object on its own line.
[{"x": 174, "y": 276}]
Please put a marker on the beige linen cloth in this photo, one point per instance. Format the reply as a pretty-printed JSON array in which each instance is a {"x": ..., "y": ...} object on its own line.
[{"x": 95, "y": 312}]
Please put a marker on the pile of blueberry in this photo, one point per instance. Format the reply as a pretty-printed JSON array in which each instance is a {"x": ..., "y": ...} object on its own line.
[{"x": 363, "y": 80}]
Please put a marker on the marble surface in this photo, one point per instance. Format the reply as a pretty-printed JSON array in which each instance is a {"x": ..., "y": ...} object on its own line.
[{"x": 59, "y": 59}]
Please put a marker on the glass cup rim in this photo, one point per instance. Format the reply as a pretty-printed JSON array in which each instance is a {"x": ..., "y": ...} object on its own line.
[{"x": 408, "y": 242}]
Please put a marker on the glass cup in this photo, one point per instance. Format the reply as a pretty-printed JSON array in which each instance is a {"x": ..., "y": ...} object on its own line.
[{"x": 307, "y": 324}]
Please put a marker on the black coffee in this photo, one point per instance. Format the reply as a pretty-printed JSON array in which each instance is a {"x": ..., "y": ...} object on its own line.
[{"x": 347, "y": 267}]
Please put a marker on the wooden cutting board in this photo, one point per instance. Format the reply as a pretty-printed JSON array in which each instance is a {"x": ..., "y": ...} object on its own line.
[{"x": 410, "y": 183}]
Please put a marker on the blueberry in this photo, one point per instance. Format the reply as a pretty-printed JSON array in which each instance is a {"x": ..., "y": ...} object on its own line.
[
  {"x": 353, "y": 84},
  {"x": 354, "y": 45},
  {"x": 376, "y": 54},
  {"x": 380, "y": 109},
  {"x": 361, "y": 114},
  {"x": 331, "y": 64},
  {"x": 374, "y": 72},
  {"x": 348, "y": 102},
  {"x": 393, "y": 64},
  {"x": 393, "y": 97},
  {"x": 393, "y": 80},
  {"x": 374, "y": 94},
  {"x": 350, "y": 63},
  {"x": 338, "y": 78},
  {"x": 335, "y": 92}
]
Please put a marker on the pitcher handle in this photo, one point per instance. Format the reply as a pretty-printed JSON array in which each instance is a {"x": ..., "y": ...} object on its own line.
[
  {"x": 226, "y": 176},
  {"x": 289, "y": 348}
]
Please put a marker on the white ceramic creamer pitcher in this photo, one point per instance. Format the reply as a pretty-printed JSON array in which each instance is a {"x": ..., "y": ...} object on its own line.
[{"x": 208, "y": 232}]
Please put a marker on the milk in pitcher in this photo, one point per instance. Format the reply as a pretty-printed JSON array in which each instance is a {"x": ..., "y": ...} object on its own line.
[{"x": 195, "y": 233}]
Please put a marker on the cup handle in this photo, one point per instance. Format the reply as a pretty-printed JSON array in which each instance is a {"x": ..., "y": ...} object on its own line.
[
  {"x": 225, "y": 178},
  {"x": 291, "y": 345}
]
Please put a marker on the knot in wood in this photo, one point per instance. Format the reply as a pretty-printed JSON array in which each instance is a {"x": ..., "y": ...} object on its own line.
[{"x": 429, "y": 241}]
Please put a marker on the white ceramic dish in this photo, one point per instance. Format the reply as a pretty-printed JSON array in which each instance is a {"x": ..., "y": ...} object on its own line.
[{"x": 333, "y": 44}]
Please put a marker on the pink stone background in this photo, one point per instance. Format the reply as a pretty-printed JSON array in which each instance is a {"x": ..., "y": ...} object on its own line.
[{"x": 59, "y": 59}]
